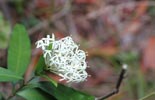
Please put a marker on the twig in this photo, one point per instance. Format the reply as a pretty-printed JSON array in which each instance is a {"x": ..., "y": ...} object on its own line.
[
  {"x": 116, "y": 90},
  {"x": 20, "y": 88}
]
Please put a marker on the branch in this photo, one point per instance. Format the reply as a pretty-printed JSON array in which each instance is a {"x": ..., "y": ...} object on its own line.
[{"x": 116, "y": 90}]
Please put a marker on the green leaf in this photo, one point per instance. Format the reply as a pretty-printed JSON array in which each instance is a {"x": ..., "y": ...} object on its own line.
[
  {"x": 6, "y": 75},
  {"x": 62, "y": 92},
  {"x": 50, "y": 79},
  {"x": 19, "y": 51},
  {"x": 40, "y": 70},
  {"x": 40, "y": 66},
  {"x": 35, "y": 94}
]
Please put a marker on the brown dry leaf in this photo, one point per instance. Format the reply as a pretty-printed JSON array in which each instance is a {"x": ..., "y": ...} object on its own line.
[
  {"x": 59, "y": 35},
  {"x": 85, "y": 1},
  {"x": 136, "y": 24},
  {"x": 133, "y": 27},
  {"x": 98, "y": 77},
  {"x": 102, "y": 51},
  {"x": 141, "y": 9},
  {"x": 148, "y": 59},
  {"x": 106, "y": 49}
]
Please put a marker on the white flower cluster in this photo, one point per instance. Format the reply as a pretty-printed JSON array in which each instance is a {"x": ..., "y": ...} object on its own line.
[{"x": 64, "y": 58}]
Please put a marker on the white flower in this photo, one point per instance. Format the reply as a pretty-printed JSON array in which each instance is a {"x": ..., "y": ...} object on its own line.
[
  {"x": 64, "y": 58},
  {"x": 45, "y": 42}
]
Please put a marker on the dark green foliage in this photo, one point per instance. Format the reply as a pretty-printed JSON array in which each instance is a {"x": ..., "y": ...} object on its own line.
[{"x": 19, "y": 51}]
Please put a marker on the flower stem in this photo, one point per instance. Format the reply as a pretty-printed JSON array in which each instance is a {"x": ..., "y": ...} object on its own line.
[{"x": 20, "y": 88}]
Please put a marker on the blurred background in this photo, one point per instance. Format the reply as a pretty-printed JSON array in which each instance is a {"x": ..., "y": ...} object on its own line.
[{"x": 112, "y": 32}]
